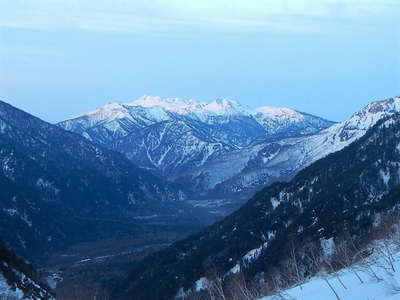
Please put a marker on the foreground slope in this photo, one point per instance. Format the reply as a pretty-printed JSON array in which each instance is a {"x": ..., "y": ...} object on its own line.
[
  {"x": 18, "y": 279},
  {"x": 345, "y": 191},
  {"x": 57, "y": 188},
  {"x": 379, "y": 281}
]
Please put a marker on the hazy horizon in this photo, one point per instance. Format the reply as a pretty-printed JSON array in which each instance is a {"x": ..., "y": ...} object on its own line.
[{"x": 329, "y": 58}]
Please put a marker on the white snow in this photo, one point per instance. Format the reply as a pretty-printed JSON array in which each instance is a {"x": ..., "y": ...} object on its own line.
[
  {"x": 275, "y": 202},
  {"x": 202, "y": 284},
  {"x": 385, "y": 175},
  {"x": 317, "y": 288},
  {"x": 151, "y": 101},
  {"x": 252, "y": 255},
  {"x": 156, "y": 109},
  {"x": 6, "y": 292},
  {"x": 343, "y": 134},
  {"x": 328, "y": 246},
  {"x": 285, "y": 113},
  {"x": 235, "y": 269},
  {"x": 221, "y": 161}
]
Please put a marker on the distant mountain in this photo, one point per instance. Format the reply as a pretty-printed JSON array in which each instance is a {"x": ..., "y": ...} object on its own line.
[
  {"x": 346, "y": 191},
  {"x": 18, "y": 279},
  {"x": 280, "y": 160},
  {"x": 57, "y": 188},
  {"x": 189, "y": 141}
]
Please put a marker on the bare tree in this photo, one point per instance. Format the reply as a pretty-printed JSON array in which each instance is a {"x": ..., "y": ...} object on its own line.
[
  {"x": 240, "y": 289},
  {"x": 295, "y": 264}
]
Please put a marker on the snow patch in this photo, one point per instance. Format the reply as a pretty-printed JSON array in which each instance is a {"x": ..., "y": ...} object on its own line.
[
  {"x": 6, "y": 292},
  {"x": 235, "y": 269},
  {"x": 252, "y": 255},
  {"x": 328, "y": 246},
  {"x": 202, "y": 284}
]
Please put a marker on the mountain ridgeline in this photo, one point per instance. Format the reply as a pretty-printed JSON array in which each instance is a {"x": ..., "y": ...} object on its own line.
[
  {"x": 344, "y": 192},
  {"x": 57, "y": 188},
  {"x": 221, "y": 152},
  {"x": 74, "y": 198},
  {"x": 201, "y": 146}
]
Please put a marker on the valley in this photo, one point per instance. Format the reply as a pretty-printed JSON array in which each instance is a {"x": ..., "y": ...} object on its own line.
[
  {"x": 199, "y": 150},
  {"x": 120, "y": 228},
  {"x": 221, "y": 150}
]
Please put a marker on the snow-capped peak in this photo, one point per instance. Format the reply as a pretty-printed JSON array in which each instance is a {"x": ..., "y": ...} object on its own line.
[
  {"x": 282, "y": 113},
  {"x": 342, "y": 134},
  {"x": 109, "y": 112},
  {"x": 225, "y": 106},
  {"x": 189, "y": 107},
  {"x": 368, "y": 116},
  {"x": 186, "y": 106},
  {"x": 219, "y": 107},
  {"x": 376, "y": 110},
  {"x": 120, "y": 118},
  {"x": 168, "y": 103}
]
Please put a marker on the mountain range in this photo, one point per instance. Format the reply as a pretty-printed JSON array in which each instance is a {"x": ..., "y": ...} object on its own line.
[
  {"x": 58, "y": 188},
  {"x": 138, "y": 172},
  {"x": 199, "y": 145},
  {"x": 221, "y": 152},
  {"x": 345, "y": 192}
]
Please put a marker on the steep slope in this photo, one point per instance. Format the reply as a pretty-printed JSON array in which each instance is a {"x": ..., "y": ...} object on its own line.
[
  {"x": 316, "y": 288},
  {"x": 344, "y": 192},
  {"x": 18, "y": 279},
  {"x": 279, "y": 160},
  {"x": 225, "y": 121},
  {"x": 188, "y": 140},
  {"x": 57, "y": 188}
]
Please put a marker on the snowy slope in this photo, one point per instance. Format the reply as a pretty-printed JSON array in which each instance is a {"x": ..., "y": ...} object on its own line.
[
  {"x": 187, "y": 137},
  {"x": 46, "y": 171},
  {"x": 7, "y": 291},
  {"x": 14, "y": 292},
  {"x": 268, "y": 162},
  {"x": 222, "y": 149},
  {"x": 344, "y": 192},
  {"x": 387, "y": 287},
  {"x": 116, "y": 120},
  {"x": 18, "y": 279}
]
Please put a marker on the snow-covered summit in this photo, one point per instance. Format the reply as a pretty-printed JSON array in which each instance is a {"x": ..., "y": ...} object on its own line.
[
  {"x": 344, "y": 133},
  {"x": 284, "y": 113},
  {"x": 197, "y": 140},
  {"x": 225, "y": 106},
  {"x": 177, "y": 136},
  {"x": 216, "y": 107},
  {"x": 168, "y": 103},
  {"x": 193, "y": 108},
  {"x": 373, "y": 112},
  {"x": 110, "y": 111}
]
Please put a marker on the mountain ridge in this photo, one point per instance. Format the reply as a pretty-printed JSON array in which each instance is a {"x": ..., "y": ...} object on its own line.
[
  {"x": 228, "y": 158},
  {"x": 181, "y": 137},
  {"x": 366, "y": 177},
  {"x": 58, "y": 188}
]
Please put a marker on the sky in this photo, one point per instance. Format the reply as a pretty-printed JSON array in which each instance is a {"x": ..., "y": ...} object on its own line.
[{"x": 327, "y": 57}]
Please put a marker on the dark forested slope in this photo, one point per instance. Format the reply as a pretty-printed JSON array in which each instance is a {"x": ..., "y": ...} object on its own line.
[
  {"x": 344, "y": 192},
  {"x": 57, "y": 188}
]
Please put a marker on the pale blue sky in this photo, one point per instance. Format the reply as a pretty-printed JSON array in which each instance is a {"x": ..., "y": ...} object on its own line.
[{"x": 326, "y": 57}]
